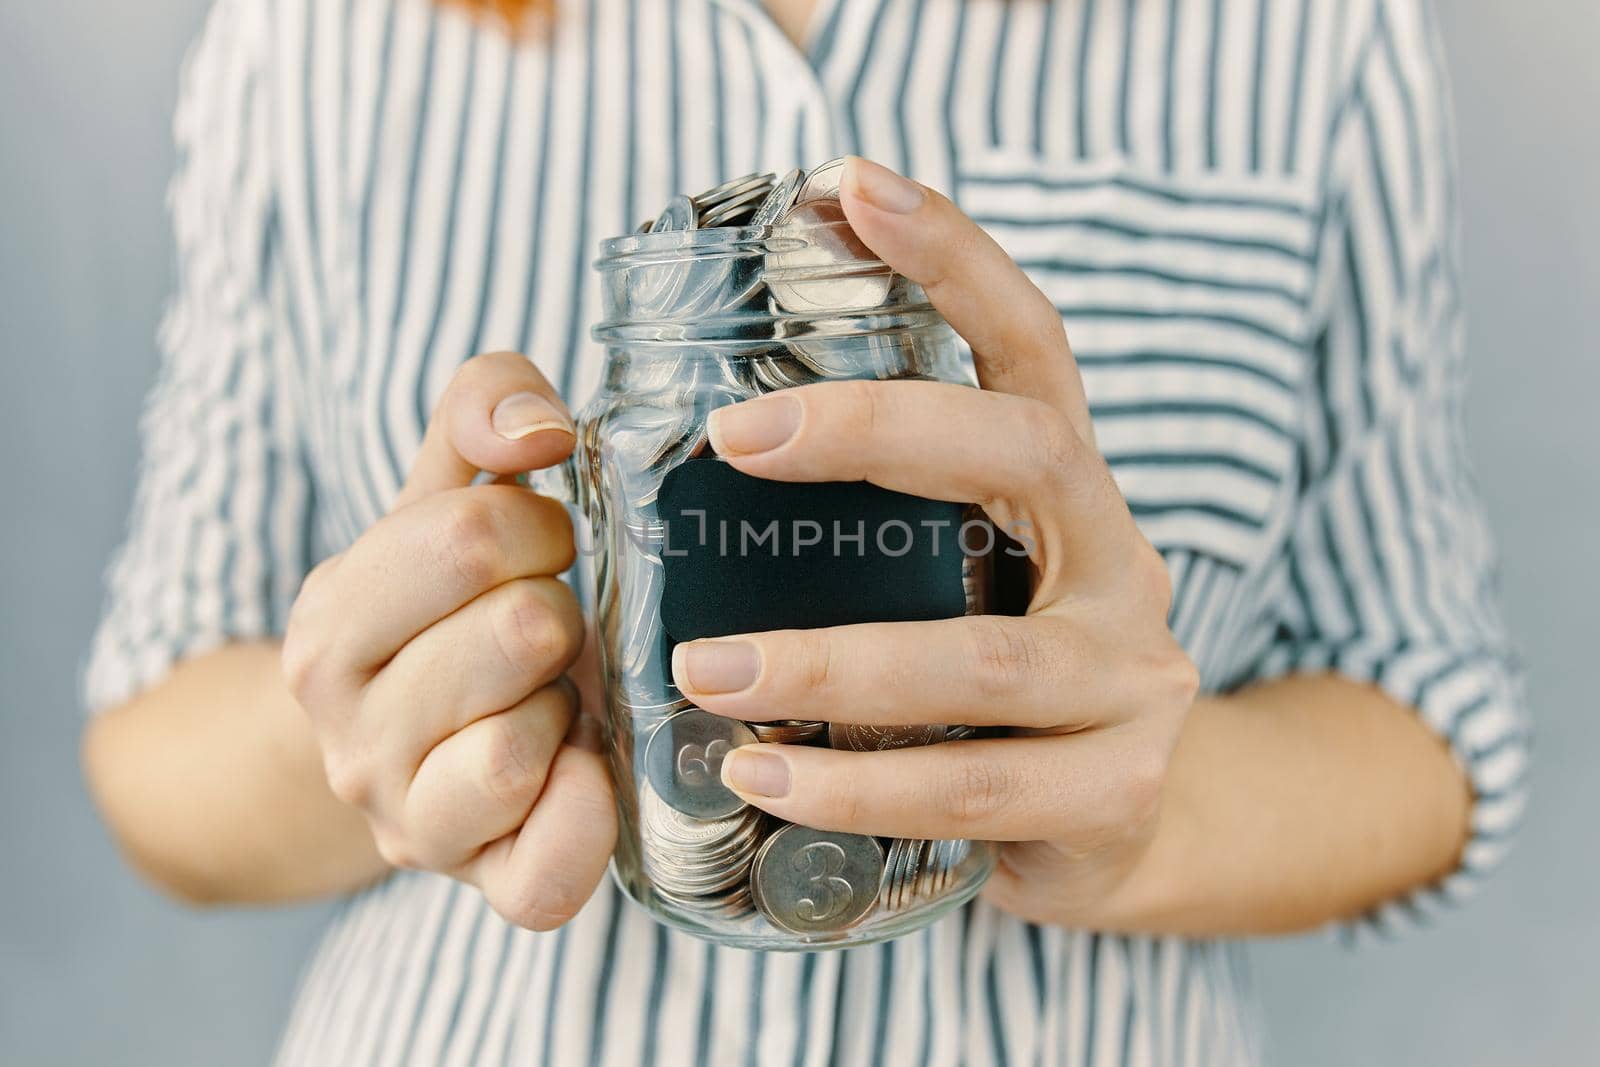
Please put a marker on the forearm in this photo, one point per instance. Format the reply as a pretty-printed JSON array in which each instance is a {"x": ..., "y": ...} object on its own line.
[
  {"x": 1293, "y": 803},
  {"x": 212, "y": 784}
]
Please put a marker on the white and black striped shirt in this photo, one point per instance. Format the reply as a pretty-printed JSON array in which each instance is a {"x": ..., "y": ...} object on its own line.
[{"x": 1243, "y": 208}]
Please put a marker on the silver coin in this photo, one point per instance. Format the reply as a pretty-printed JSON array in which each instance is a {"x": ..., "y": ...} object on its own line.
[
  {"x": 745, "y": 204},
  {"x": 683, "y": 761},
  {"x": 915, "y": 855},
  {"x": 649, "y": 705},
  {"x": 664, "y": 822},
  {"x": 770, "y": 373},
  {"x": 823, "y": 181},
  {"x": 816, "y": 264},
  {"x": 729, "y": 874},
  {"x": 731, "y": 188},
  {"x": 817, "y": 882},
  {"x": 853, "y": 356},
  {"x": 679, "y": 214},
  {"x": 699, "y": 288},
  {"x": 894, "y": 866},
  {"x": 735, "y": 904},
  {"x": 692, "y": 851},
  {"x": 939, "y": 870},
  {"x": 786, "y": 731},
  {"x": 858, "y": 737},
  {"x": 779, "y": 199}
]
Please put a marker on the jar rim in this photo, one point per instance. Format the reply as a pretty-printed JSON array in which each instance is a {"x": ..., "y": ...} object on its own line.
[
  {"x": 712, "y": 242},
  {"x": 668, "y": 288},
  {"x": 758, "y": 331}
]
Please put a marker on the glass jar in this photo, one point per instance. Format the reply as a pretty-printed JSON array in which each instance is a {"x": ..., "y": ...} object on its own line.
[{"x": 695, "y": 319}]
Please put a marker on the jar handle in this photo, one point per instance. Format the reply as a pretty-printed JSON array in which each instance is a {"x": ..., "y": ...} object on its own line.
[{"x": 559, "y": 482}]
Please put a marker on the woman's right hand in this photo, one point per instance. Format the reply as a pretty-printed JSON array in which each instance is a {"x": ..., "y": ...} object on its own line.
[{"x": 432, "y": 655}]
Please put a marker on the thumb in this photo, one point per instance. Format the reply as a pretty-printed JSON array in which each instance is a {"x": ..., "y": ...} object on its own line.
[
  {"x": 1018, "y": 342},
  {"x": 499, "y": 415}
]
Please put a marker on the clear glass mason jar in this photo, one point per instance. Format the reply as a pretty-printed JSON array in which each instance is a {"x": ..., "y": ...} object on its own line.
[{"x": 693, "y": 320}]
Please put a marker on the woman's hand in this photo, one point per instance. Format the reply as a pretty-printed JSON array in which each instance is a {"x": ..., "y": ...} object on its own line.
[
  {"x": 430, "y": 658},
  {"x": 1091, "y": 681}
]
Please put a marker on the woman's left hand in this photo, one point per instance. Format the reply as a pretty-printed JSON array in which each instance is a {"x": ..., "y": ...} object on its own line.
[{"x": 1091, "y": 681}]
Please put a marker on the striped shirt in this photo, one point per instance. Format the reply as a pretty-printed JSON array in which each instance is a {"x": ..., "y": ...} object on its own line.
[{"x": 1246, "y": 214}]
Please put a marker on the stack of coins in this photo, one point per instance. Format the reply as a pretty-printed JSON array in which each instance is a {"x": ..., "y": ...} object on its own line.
[
  {"x": 917, "y": 870},
  {"x": 699, "y": 864},
  {"x": 702, "y": 849},
  {"x": 698, "y": 838}
]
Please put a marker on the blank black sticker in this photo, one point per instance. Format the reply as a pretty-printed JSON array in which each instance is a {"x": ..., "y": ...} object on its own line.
[{"x": 745, "y": 554}]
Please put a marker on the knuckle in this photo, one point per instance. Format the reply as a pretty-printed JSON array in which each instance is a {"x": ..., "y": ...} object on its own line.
[
  {"x": 840, "y": 807},
  {"x": 974, "y": 793},
  {"x": 813, "y": 656},
  {"x": 857, "y": 410},
  {"x": 1007, "y": 655},
  {"x": 395, "y": 850},
  {"x": 313, "y": 590},
  {"x": 554, "y": 526},
  {"x": 1184, "y": 678},
  {"x": 1054, "y": 445},
  {"x": 304, "y": 650},
  {"x": 528, "y": 631},
  {"x": 511, "y": 771},
  {"x": 1144, "y": 777},
  {"x": 467, "y": 541},
  {"x": 299, "y": 660},
  {"x": 1151, "y": 580},
  {"x": 349, "y": 779}
]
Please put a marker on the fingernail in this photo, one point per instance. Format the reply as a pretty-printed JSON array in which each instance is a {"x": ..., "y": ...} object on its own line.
[
  {"x": 716, "y": 666},
  {"x": 522, "y": 415},
  {"x": 755, "y": 772},
  {"x": 753, "y": 426},
  {"x": 883, "y": 188}
]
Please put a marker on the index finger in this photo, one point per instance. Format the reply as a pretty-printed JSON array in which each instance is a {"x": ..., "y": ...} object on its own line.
[{"x": 1018, "y": 341}]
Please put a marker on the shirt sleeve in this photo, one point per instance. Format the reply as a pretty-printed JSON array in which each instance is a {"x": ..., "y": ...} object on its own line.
[
  {"x": 217, "y": 540},
  {"x": 1391, "y": 572}
]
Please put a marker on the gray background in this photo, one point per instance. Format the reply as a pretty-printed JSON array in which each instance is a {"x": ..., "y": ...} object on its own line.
[{"x": 94, "y": 968}]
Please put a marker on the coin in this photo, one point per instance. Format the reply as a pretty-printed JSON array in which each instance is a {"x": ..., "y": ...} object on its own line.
[
  {"x": 731, "y": 188},
  {"x": 664, "y": 822},
  {"x": 817, "y": 264},
  {"x": 939, "y": 868},
  {"x": 786, "y": 731},
  {"x": 679, "y": 214},
  {"x": 894, "y": 877},
  {"x": 778, "y": 199},
  {"x": 823, "y": 181},
  {"x": 858, "y": 737},
  {"x": 816, "y": 881},
  {"x": 731, "y": 210},
  {"x": 735, "y": 904},
  {"x": 683, "y": 761}
]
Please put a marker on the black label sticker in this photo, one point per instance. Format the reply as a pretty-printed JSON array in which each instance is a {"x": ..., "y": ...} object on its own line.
[{"x": 743, "y": 554}]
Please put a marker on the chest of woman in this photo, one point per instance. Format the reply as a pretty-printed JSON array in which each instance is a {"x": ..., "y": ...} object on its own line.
[{"x": 444, "y": 187}]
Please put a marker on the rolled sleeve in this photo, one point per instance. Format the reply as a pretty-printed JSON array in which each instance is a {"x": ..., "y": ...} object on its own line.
[
  {"x": 1390, "y": 568},
  {"x": 217, "y": 540}
]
